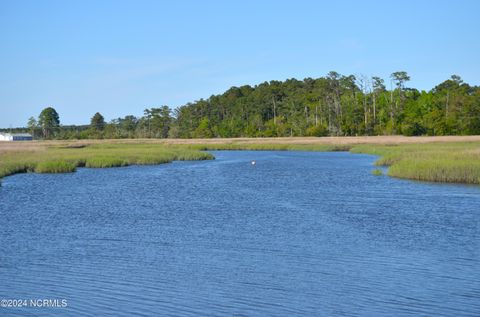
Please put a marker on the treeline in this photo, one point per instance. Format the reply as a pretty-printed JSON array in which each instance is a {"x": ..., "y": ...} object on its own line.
[
  {"x": 332, "y": 105},
  {"x": 156, "y": 123}
]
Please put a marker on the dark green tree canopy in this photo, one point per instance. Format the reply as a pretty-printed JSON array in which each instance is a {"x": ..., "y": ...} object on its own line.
[
  {"x": 400, "y": 78},
  {"x": 49, "y": 121},
  {"x": 97, "y": 122},
  {"x": 335, "y": 104},
  {"x": 157, "y": 121},
  {"x": 32, "y": 125}
]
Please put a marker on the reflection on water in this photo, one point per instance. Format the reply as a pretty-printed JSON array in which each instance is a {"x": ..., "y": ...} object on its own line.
[{"x": 296, "y": 234}]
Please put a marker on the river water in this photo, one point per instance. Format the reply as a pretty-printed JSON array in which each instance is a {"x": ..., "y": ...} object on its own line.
[{"x": 297, "y": 234}]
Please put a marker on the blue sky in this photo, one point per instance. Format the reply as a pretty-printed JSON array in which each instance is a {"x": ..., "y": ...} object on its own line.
[{"x": 120, "y": 57}]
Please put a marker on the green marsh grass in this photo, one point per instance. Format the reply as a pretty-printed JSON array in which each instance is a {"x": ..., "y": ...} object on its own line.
[
  {"x": 104, "y": 162},
  {"x": 455, "y": 162},
  {"x": 55, "y": 167},
  {"x": 377, "y": 172},
  {"x": 192, "y": 155},
  {"x": 63, "y": 159}
]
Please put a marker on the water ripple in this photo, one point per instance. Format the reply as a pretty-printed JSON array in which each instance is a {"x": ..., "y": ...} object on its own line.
[{"x": 300, "y": 234}]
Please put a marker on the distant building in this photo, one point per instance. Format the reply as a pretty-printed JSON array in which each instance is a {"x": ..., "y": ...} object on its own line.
[{"x": 15, "y": 136}]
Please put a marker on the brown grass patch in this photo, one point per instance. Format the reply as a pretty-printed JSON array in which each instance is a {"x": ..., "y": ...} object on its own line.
[{"x": 381, "y": 140}]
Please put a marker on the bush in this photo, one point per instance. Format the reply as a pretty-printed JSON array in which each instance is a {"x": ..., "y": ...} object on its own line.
[
  {"x": 413, "y": 129},
  {"x": 319, "y": 130}
]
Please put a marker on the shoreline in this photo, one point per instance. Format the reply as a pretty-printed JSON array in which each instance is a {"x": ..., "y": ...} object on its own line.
[{"x": 445, "y": 159}]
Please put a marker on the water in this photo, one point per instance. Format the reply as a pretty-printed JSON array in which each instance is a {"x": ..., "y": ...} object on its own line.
[{"x": 298, "y": 234}]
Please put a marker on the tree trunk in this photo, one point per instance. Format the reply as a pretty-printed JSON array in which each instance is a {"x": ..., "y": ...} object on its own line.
[{"x": 274, "y": 112}]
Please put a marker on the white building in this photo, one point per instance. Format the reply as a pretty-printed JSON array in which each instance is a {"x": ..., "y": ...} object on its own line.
[{"x": 15, "y": 136}]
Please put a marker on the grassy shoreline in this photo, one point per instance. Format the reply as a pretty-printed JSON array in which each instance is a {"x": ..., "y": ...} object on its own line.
[
  {"x": 443, "y": 162},
  {"x": 457, "y": 162},
  {"x": 66, "y": 158},
  {"x": 443, "y": 159}
]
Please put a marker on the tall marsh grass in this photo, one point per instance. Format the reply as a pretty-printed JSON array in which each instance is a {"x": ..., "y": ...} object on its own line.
[
  {"x": 55, "y": 167},
  {"x": 63, "y": 159},
  {"x": 445, "y": 170},
  {"x": 456, "y": 162},
  {"x": 104, "y": 162}
]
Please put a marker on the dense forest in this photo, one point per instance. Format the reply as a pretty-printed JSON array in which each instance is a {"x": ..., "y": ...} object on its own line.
[{"x": 333, "y": 105}]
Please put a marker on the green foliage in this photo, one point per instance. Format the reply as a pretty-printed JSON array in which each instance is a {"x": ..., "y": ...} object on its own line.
[
  {"x": 334, "y": 105},
  {"x": 414, "y": 128},
  {"x": 32, "y": 126},
  {"x": 97, "y": 123},
  {"x": 157, "y": 121},
  {"x": 49, "y": 121},
  {"x": 203, "y": 130},
  {"x": 319, "y": 130},
  {"x": 377, "y": 172}
]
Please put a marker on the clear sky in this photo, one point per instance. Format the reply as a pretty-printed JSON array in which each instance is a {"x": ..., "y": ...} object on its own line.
[{"x": 120, "y": 57}]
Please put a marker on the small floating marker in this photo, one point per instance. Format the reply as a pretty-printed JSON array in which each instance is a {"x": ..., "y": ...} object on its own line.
[{"x": 253, "y": 162}]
